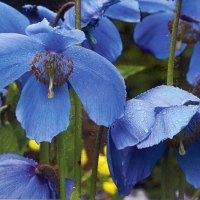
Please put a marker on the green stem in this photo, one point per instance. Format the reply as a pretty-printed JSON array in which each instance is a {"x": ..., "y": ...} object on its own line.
[
  {"x": 95, "y": 164},
  {"x": 62, "y": 164},
  {"x": 78, "y": 117},
  {"x": 170, "y": 70},
  {"x": 78, "y": 14},
  {"x": 168, "y": 186},
  {"x": 77, "y": 143},
  {"x": 44, "y": 153},
  {"x": 181, "y": 187}
]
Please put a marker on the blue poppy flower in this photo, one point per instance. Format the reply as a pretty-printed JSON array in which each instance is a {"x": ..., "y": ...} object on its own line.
[
  {"x": 154, "y": 32},
  {"x": 102, "y": 35},
  {"x": 135, "y": 142},
  {"x": 23, "y": 178},
  {"x": 38, "y": 13},
  {"x": 49, "y": 53}
]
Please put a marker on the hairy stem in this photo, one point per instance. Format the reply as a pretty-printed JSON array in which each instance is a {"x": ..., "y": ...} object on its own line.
[
  {"x": 170, "y": 70},
  {"x": 62, "y": 163},
  {"x": 95, "y": 164},
  {"x": 44, "y": 153}
]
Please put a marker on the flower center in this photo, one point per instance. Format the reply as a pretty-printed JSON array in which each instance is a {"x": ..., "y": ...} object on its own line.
[
  {"x": 187, "y": 32},
  {"x": 52, "y": 69}
]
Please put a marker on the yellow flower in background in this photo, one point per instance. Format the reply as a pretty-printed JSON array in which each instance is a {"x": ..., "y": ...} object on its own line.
[
  {"x": 33, "y": 145},
  {"x": 103, "y": 166},
  {"x": 84, "y": 158},
  {"x": 110, "y": 187}
]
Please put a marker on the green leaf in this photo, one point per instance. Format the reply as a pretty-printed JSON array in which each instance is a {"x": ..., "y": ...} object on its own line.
[
  {"x": 128, "y": 70},
  {"x": 8, "y": 140}
]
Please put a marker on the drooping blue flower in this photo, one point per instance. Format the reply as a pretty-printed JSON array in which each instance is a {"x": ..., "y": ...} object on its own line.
[
  {"x": 102, "y": 35},
  {"x": 135, "y": 142},
  {"x": 154, "y": 32},
  {"x": 54, "y": 60},
  {"x": 23, "y": 178},
  {"x": 38, "y": 13}
]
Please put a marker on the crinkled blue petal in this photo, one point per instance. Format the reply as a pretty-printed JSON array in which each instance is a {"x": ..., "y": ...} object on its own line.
[
  {"x": 191, "y": 9},
  {"x": 126, "y": 10},
  {"x": 11, "y": 20},
  {"x": 104, "y": 39},
  {"x": 165, "y": 96},
  {"x": 190, "y": 163},
  {"x": 153, "y": 6},
  {"x": 131, "y": 165},
  {"x": 134, "y": 126},
  {"x": 38, "y": 13},
  {"x": 54, "y": 39},
  {"x": 16, "y": 54},
  {"x": 98, "y": 84},
  {"x": 194, "y": 70},
  {"x": 169, "y": 122},
  {"x": 15, "y": 174},
  {"x": 19, "y": 179},
  {"x": 37, "y": 188},
  {"x": 153, "y": 35},
  {"x": 89, "y": 10},
  {"x": 41, "y": 117}
]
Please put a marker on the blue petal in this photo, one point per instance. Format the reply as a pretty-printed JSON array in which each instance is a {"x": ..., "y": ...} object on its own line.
[
  {"x": 153, "y": 35},
  {"x": 191, "y": 9},
  {"x": 23, "y": 79},
  {"x": 43, "y": 118},
  {"x": 37, "y": 188},
  {"x": 19, "y": 180},
  {"x": 107, "y": 40},
  {"x": 38, "y": 13},
  {"x": 194, "y": 71},
  {"x": 152, "y": 6},
  {"x": 165, "y": 96},
  {"x": 190, "y": 163},
  {"x": 126, "y": 10},
  {"x": 131, "y": 165},
  {"x": 61, "y": 38},
  {"x": 69, "y": 187},
  {"x": 16, "y": 54},
  {"x": 98, "y": 84},
  {"x": 12, "y": 21},
  {"x": 169, "y": 122},
  {"x": 134, "y": 126},
  {"x": 15, "y": 174}
]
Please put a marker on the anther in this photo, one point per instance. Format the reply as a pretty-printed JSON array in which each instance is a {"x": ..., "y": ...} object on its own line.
[
  {"x": 179, "y": 45},
  {"x": 181, "y": 151},
  {"x": 92, "y": 38}
]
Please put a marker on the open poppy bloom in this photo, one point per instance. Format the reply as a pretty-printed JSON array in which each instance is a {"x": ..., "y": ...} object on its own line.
[
  {"x": 55, "y": 62},
  {"x": 153, "y": 120}
]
